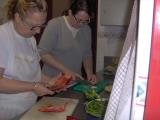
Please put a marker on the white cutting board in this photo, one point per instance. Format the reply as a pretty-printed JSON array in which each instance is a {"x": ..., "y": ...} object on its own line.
[{"x": 34, "y": 114}]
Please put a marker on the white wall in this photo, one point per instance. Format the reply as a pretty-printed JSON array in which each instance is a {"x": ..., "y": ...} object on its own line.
[
  {"x": 110, "y": 40},
  {"x": 115, "y": 12}
]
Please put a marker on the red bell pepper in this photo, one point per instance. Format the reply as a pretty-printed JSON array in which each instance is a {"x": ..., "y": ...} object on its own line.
[
  {"x": 61, "y": 83},
  {"x": 53, "y": 108}
]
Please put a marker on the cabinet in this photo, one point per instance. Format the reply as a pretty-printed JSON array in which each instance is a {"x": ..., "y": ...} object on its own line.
[{"x": 115, "y": 12}]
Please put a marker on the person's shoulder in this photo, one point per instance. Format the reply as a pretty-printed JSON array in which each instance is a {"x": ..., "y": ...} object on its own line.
[
  {"x": 5, "y": 27},
  {"x": 54, "y": 23},
  {"x": 56, "y": 20},
  {"x": 4, "y": 32}
]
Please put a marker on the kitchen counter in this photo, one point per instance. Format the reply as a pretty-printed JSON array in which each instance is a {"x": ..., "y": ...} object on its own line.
[{"x": 79, "y": 111}]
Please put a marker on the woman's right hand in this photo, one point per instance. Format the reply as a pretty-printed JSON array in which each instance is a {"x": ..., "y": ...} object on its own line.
[{"x": 41, "y": 90}]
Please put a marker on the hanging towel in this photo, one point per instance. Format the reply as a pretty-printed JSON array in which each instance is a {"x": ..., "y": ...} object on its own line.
[{"x": 120, "y": 98}]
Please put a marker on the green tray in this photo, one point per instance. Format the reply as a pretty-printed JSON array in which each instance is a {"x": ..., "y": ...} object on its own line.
[{"x": 84, "y": 86}]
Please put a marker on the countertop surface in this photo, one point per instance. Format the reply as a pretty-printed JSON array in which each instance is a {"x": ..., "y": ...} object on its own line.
[
  {"x": 79, "y": 110},
  {"x": 35, "y": 114}
]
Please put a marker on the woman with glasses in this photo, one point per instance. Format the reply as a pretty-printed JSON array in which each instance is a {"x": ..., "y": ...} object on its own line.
[
  {"x": 21, "y": 80},
  {"x": 66, "y": 43}
]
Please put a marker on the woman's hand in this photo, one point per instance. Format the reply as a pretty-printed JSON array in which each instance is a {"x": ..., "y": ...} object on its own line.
[
  {"x": 58, "y": 83},
  {"x": 92, "y": 79},
  {"x": 41, "y": 90},
  {"x": 61, "y": 83}
]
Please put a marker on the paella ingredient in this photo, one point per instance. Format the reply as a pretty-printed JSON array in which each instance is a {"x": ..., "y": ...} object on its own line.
[
  {"x": 96, "y": 108},
  {"x": 61, "y": 83},
  {"x": 53, "y": 108},
  {"x": 108, "y": 88},
  {"x": 91, "y": 94},
  {"x": 109, "y": 70}
]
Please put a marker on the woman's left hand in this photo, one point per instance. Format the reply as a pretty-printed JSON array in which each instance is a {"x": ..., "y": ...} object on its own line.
[
  {"x": 59, "y": 83},
  {"x": 92, "y": 79}
]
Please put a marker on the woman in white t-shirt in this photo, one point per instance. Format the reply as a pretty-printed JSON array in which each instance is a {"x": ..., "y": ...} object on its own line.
[{"x": 21, "y": 80}]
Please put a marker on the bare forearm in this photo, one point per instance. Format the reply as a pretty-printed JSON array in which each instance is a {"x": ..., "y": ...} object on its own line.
[
  {"x": 14, "y": 86},
  {"x": 53, "y": 62},
  {"x": 88, "y": 65}
]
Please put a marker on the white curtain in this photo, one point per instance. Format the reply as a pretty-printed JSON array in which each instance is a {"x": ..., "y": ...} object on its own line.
[{"x": 119, "y": 105}]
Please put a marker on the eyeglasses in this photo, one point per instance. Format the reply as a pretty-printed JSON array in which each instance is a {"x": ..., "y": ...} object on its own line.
[
  {"x": 33, "y": 27},
  {"x": 84, "y": 22}
]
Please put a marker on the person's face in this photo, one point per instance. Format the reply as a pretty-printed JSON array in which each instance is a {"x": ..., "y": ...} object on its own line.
[
  {"x": 80, "y": 19},
  {"x": 31, "y": 24}
]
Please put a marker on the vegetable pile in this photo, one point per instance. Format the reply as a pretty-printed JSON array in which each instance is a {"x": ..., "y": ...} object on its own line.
[
  {"x": 96, "y": 107},
  {"x": 91, "y": 94}
]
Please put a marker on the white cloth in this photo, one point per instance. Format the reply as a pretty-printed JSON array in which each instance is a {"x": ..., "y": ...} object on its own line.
[
  {"x": 119, "y": 106},
  {"x": 20, "y": 58},
  {"x": 117, "y": 89}
]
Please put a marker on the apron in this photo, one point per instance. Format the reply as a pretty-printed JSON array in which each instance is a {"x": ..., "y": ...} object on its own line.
[{"x": 23, "y": 66}]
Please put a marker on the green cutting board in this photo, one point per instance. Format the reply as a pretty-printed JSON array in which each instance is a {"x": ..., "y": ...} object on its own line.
[{"x": 84, "y": 86}]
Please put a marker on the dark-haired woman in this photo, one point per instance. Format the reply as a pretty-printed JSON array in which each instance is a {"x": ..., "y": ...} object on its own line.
[
  {"x": 66, "y": 43},
  {"x": 21, "y": 80}
]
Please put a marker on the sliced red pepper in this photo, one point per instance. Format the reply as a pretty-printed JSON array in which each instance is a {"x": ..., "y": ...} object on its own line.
[
  {"x": 62, "y": 82},
  {"x": 53, "y": 108}
]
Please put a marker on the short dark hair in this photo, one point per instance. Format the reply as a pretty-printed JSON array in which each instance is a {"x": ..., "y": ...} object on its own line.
[{"x": 81, "y": 5}]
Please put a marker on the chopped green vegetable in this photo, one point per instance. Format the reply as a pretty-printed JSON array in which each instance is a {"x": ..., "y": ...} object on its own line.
[
  {"x": 91, "y": 94},
  {"x": 96, "y": 108}
]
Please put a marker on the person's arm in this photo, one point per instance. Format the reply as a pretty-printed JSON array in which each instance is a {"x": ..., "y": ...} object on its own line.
[
  {"x": 88, "y": 66},
  {"x": 87, "y": 57},
  {"x": 53, "y": 62},
  {"x": 12, "y": 86}
]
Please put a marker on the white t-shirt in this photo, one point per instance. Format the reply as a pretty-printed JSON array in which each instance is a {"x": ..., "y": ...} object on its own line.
[
  {"x": 72, "y": 29},
  {"x": 20, "y": 59}
]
